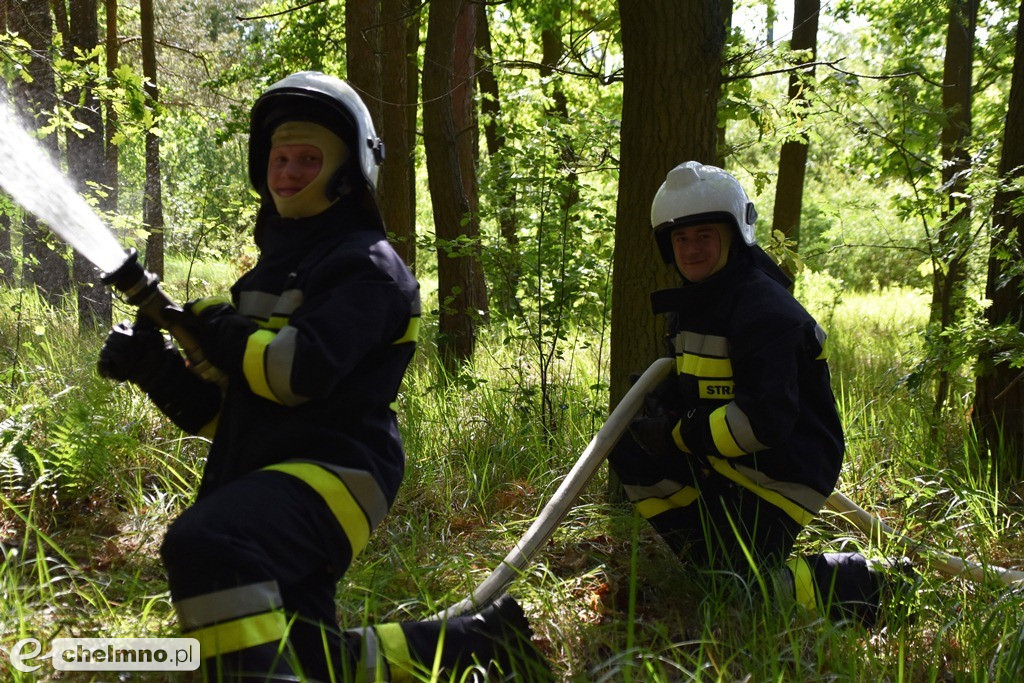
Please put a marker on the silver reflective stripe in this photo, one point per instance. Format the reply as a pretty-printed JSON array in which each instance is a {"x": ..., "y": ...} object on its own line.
[
  {"x": 278, "y": 365},
  {"x": 258, "y": 305},
  {"x": 804, "y": 496},
  {"x": 264, "y": 306},
  {"x": 820, "y": 335},
  {"x": 663, "y": 489},
  {"x": 363, "y": 488},
  {"x": 742, "y": 432},
  {"x": 702, "y": 344},
  {"x": 370, "y": 657},
  {"x": 228, "y": 604}
]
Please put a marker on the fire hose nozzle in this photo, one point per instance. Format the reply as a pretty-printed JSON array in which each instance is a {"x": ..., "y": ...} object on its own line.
[{"x": 141, "y": 289}]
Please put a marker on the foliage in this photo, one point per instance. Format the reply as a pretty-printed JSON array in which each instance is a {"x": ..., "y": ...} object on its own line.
[{"x": 606, "y": 598}]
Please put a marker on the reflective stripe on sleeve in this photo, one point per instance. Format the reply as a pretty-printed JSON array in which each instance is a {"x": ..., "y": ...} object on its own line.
[
  {"x": 227, "y": 604},
  {"x": 677, "y": 437},
  {"x": 732, "y": 433},
  {"x": 240, "y": 634},
  {"x": 353, "y": 520},
  {"x": 254, "y": 361}
]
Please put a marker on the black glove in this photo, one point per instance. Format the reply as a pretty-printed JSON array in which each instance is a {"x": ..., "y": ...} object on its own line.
[
  {"x": 654, "y": 434},
  {"x": 221, "y": 331},
  {"x": 133, "y": 353}
]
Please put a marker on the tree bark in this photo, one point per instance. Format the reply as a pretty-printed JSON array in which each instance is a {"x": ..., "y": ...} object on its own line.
[
  {"x": 461, "y": 294},
  {"x": 362, "y": 53},
  {"x": 152, "y": 203},
  {"x": 789, "y": 188},
  {"x": 44, "y": 256},
  {"x": 412, "y": 84},
  {"x": 952, "y": 238},
  {"x": 672, "y": 52},
  {"x": 503, "y": 195},
  {"x": 999, "y": 397},
  {"x": 86, "y": 162},
  {"x": 110, "y": 151},
  {"x": 396, "y": 184}
]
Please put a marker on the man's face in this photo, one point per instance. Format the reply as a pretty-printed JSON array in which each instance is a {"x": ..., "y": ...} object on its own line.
[
  {"x": 292, "y": 167},
  {"x": 697, "y": 250}
]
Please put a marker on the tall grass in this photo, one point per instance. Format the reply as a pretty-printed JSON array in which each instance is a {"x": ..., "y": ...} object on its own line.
[{"x": 90, "y": 475}]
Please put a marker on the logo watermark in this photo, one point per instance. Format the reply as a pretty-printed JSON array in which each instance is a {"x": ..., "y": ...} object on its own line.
[{"x": 108, "y": 654}]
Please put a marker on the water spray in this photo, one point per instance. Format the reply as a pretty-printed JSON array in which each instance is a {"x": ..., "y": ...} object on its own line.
[{"x": 29, "y": 176}]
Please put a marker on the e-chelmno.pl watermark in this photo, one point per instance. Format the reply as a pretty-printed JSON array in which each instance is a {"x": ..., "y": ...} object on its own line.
[{"x": 107, "y": 654}]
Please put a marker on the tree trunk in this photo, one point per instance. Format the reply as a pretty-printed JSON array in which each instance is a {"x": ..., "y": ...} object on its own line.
[
  {"x": 152, "y": 202},
  {"x": 44, "y": 256},
  {"x": 952, "y": 239},
  {"x": 412, "y": 84},
  {"x": 672, "y": 56},
  {"x": 720, "y": 147},
  {"x": 503, "y": 194},
  {"x": 672, "y": 52},
  {"x": 999, "y": 398},
  {"x": 86, "y": 163},
  {"x": 362, "y": 50},
  {"x": 789, "y": 188},
  {"x": 396, "y": 189},
  {"x": 461, "y": 291},
  {"x": 110, "y": 155}
]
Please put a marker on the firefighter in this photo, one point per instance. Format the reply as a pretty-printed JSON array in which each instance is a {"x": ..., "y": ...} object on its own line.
[
  {"x": 737, "y": 451},
  {"x": 305, "y": 458}
]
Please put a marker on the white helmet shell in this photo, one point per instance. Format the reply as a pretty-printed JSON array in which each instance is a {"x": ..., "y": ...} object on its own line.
[
  {"x": 334, "y": 100},
  {"x": 693, "y": 193}
]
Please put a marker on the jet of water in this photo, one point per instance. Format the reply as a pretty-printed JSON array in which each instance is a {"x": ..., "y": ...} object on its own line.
[{"x": 29, "y": 176}]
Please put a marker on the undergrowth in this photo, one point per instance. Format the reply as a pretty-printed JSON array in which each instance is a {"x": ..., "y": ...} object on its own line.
[{"x": 91, "y": 474}]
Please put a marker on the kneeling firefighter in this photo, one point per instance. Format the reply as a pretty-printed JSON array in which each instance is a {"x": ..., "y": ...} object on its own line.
[
  {"x": 305, "y": 458},
  {"x": 740, "y": 449}
]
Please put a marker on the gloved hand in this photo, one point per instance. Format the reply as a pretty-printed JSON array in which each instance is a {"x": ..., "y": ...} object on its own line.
[
  {"x": 654, "y": 434},
  {"x": 221, "y": 331},
  {"x": 133, "y": 353}
]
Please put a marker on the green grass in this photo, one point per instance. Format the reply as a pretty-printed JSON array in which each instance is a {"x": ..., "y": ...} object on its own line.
[{"x": 90, "y": 475}]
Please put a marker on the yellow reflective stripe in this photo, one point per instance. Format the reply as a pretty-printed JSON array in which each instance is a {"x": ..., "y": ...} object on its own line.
[
  {"x": 276, "y": 322},
  {"x": 232, "y": 636},
  {"x": 799, "y": 515},
  {"x": 702, "y": 366},
  {"x": 338, "y": 498},
  {"x": 200, "y": 305},
  {"x": 720, "y": 434},
  {"x": 803, "y": 583},
  {"x": 253, "y": 365},
  {"x": 210, "y": 428},
  {"x": 825, "y": 346},
  {"x": 396, "y": 651},
  {"x": 716, "y": 388},
  {"x": 677, "y": 436},
  {"x": 412, "y": 332},
  {"x": 655, "y": 506}
]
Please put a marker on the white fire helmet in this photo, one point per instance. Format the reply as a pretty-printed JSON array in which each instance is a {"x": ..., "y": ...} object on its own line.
[
  {"x": 323, "y": 99},
  {"x": 696, "y": 193}
]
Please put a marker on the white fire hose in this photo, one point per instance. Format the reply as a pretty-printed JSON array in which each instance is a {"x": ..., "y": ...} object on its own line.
[
  {"x": 570, "y": 488},
  {"x": 597, "y": 450}
]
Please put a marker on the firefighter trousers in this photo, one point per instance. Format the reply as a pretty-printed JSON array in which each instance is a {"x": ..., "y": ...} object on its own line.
[
  {"x": 253, "y": 568},
  {"x": 713, "y": 522}
]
